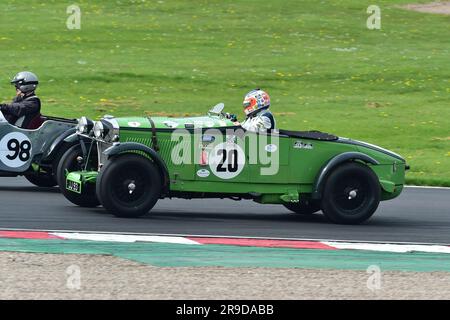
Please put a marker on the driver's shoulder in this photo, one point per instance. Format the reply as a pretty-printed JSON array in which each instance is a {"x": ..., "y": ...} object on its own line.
[
  {"x": 267, "y": 114},
  {"x": 33, "y": 97}
]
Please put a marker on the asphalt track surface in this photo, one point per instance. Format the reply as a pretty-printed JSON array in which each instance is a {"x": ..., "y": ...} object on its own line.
[{"x": 418, "y": 215}]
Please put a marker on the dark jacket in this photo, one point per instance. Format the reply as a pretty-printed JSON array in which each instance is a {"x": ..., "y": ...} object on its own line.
[{"x": 29, "y": 106}]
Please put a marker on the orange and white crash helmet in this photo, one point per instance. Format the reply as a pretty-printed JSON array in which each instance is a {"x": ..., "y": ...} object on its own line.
[{"x": 256, "y": 100}]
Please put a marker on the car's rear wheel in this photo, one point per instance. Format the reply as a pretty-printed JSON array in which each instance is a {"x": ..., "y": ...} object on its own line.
[
  {"x": 49, "y": 179},
  {"x": 42, "y": 180},
  {"x": 351, "y": 194},
  {"x": 129, "y": 185},
  {"x": 69, "y": 163},
  {"x": 303, "y": 207}
]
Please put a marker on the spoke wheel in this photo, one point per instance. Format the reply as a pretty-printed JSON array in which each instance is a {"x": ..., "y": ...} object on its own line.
[
  {"x": 129, "y": 185},
  {"x": 351, "y": 194},
  {"x": 68, "y": 163}
]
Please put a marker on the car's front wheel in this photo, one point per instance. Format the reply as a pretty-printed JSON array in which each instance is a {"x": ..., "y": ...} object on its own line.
[
  {"x": 69, "y": 163},
  {"x": 129, "y": 185},
  {"x": 351, "y": 194}
]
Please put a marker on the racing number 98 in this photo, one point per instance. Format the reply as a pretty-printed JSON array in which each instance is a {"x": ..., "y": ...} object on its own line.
[
  {"x": 21, "y": 150},
  {"x": 230, "y": 157}
]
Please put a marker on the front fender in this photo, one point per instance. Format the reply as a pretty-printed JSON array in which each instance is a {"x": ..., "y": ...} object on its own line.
[
  {"x": 333, "y": 163},
  {"x": 56, "y": 144},
  {"x": 71, "y": 138},
  {"x": 125, "y": 147}
]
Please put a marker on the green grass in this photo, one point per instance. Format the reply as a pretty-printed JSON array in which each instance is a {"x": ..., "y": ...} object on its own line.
[{"x": 322, "y": 67}]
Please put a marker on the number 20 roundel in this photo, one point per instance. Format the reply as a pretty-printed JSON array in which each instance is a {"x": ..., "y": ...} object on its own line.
[
  {"x": 227, "y": 160},
  {"x": 15, "y": 149}
]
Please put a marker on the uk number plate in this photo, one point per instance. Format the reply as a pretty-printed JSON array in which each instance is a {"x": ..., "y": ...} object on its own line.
[{"x": 73, "y": 186}]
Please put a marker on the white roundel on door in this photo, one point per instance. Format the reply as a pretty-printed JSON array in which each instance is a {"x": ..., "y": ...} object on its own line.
[
  {"x": 226, "y": 160},
  {"x": 15, "y": 149}
]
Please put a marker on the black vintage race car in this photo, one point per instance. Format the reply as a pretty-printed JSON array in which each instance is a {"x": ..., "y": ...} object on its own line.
[{"x": 34, "y": 152}]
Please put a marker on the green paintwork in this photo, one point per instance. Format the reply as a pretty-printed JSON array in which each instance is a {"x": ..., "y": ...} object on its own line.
[
  {"x": 163, "y": 122},
  {"x": 81, "y": 178},
  {"x": 298, "y": 167},
  {"x": 35, "y": 167},
  {"x": 182, "y": 255}
]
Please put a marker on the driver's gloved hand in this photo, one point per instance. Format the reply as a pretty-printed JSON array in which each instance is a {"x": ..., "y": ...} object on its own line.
[{"x": 231, "y": 116}]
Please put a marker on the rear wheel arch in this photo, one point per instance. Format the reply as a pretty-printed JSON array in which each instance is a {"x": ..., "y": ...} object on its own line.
[{"x": 335, "y": 162}]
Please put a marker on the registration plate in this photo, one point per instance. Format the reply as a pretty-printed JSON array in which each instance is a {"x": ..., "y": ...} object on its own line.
[{"x": 73, "y": 186}]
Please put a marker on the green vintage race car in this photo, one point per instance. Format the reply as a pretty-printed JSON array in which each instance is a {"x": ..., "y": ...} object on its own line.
[{"x": 127, "y": 164}]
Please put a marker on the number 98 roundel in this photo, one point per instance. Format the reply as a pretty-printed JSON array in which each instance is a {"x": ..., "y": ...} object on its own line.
[{"x": 15, "y": 149}]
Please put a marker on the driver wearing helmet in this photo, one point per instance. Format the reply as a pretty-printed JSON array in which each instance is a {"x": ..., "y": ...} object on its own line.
[
  {"x": 26, "y": 105},
  {"x": 256, "y": 107}
]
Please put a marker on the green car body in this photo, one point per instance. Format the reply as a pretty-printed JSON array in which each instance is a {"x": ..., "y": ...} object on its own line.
[{"x": 288, "y": 168}]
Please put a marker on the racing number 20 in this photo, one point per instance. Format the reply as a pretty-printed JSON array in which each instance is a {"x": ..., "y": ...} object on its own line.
[
  {"x": 231, "y": 158},
  {"x": 21, "y": 150}
]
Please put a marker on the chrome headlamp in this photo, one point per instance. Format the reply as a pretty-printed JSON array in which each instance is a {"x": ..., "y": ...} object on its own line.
[
  {"x": 111, "y": 132},
  {"x": 99, "y": 130},
  {"x": 107, "y": 130},
  {"x": 84, "y": 125}
]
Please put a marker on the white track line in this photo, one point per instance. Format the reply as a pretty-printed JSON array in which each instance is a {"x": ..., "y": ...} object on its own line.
[
  {"x": 226, "y": 236},
  {"x": 182, "y": 239},
  {"x": 427, "y": 187},
  {"x": 387, "y": 247},
  {"x": 123, "y": 238}
]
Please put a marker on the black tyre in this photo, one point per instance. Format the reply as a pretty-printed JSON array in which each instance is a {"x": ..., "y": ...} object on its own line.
[
  {"x": 303, "y": 207},
  {"x": 129, "y": 185},
  {"x": 42, "y": 180},
  {"x": 351, "y": 194},
  {"x": 49, "y": 179},
  {"x": 68, "y": 163}
]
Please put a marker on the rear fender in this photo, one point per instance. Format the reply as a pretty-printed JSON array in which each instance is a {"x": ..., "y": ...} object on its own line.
[{"x": 332, "y": 164}]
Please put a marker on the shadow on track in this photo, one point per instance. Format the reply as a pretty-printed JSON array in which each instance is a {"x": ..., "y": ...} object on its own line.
[
  {"x": 159, "y": 215},
  {"x": 181, "y": 217},
  {"x": 30, "y": 189},
  {"x": 276, "y": 216}
]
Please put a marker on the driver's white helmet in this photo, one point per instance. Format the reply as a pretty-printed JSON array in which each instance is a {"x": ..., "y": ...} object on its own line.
[{"x": 255, "y": 101}]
